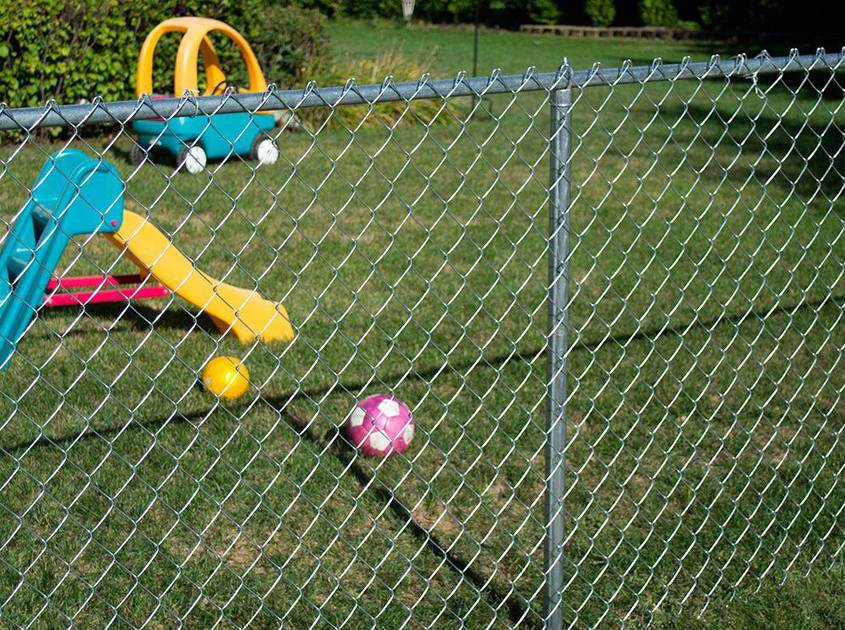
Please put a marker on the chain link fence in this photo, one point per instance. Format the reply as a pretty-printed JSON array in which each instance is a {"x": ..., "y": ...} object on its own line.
[{"x": 626, "y": 377}]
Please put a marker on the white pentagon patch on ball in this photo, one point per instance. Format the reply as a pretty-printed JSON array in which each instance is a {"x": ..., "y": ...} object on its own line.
[
  {"x": 389, "y": 407},
  {"x": 408, "y": 433},
  {"x": 357, "y": 418},
  {"x": 379, "y": 441}
]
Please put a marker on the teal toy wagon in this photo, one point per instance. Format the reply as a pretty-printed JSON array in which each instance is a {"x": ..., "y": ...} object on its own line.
[{"x": 194, "y": 140}]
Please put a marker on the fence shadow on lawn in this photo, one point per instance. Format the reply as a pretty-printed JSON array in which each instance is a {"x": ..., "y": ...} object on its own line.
[
  {"x": 133, "y": 316},
  {"x": 281, "y": 402},
  {"x": 820, "y": 146}
]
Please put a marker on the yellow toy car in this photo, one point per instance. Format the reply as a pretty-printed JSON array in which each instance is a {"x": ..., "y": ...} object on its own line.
[{"x": 196, "y": 139}]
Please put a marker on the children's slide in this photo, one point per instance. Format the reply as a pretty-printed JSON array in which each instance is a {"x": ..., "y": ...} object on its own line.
[
  {"x": 240, "y": 312},
  {"x": 75, "y": 195}
]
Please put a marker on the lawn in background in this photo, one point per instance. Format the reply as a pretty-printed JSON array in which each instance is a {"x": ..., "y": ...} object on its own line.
[
  {"x": 450, "y": 51},
  {"x": 705, "y": 384}
]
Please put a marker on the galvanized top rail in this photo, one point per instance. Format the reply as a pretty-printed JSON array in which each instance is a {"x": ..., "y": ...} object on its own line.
[{"x": 122, "y": 112}]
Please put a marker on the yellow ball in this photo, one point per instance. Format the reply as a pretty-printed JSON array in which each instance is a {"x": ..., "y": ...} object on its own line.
[{"x": 226, "y": 377}]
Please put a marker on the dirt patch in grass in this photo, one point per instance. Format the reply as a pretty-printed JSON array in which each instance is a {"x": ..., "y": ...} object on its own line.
[{"x": 437, "y": 519}]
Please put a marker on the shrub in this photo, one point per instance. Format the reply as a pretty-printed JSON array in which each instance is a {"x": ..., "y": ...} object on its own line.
[
  {"x": 689, "y": 25},
  {"x": 544, "y": 11},
  {"x": 772, "y": 16},
  {"x": 716, "y": 16},
  {"x": 657, "y": 12},
  {"x": 73, "y": 50},
  {"x": 331, "y": 8},
  {"x": 501, "y": 12},
  {"x": 376, "y": 8},
  {"x": 287, "y": 40},
  {"x": 600, "y": 12},
  {"x": 47, "y": 51}
]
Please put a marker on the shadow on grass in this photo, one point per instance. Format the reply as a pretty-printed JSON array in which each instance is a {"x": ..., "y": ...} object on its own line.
[
  {"x": 518, "y": 609},
  {"x": 282, "y": 401},
  {"x": 796, "y": 152},
  {"x": 135, "y": 315}
]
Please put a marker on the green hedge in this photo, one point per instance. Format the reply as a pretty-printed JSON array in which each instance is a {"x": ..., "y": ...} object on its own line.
[
  {"x": 658, "y": 13},
  {"x": 717, "y": 15},
  {"x": 73, "y": 50},
  {"x": 290, "y": 42},
  {"x": 600, "y": 12},
  {"x": 498, "y": 12}
]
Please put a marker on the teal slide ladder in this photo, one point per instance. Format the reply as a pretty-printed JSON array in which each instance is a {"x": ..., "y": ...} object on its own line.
[{"x": 72, "y": 195}]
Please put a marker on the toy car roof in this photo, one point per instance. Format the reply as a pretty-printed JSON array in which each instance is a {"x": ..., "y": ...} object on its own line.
[{"x": 195, "y": 42}]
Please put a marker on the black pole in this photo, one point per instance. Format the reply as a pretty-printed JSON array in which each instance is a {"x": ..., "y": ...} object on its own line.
[{"x": 475, "y": 44}]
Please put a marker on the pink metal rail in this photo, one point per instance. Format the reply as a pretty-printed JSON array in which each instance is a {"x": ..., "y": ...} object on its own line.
[{"x": 56, "y": 296}]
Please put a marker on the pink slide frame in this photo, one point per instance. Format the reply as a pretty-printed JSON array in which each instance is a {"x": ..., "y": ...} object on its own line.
[{"x": 100, "y": 294}]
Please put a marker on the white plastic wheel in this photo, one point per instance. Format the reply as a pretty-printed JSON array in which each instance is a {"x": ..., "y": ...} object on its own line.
[
  {"x": 194, "y": 159},
  {"x": 267, "y": 152}
]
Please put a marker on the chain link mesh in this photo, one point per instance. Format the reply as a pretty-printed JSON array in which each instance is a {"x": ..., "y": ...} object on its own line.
[{"x": 405, "y": 228}]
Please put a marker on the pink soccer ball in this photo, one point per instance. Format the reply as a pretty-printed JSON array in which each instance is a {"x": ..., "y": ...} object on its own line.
[{"x": 380, "y": 425}]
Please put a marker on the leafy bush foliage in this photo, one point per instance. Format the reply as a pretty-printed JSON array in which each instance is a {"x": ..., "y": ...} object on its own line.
[
  {"x": 379, "y": 8},
  {"x": 73, "y": 50},
  {"x": 658, "y": 12},
  {"x": 600, "y": 12},
  {"x": 498, "y": 12},
  {"x": 771, "y": 16},
  {"x": 288, "y": 39},
  {"x": 544, "y": 11}
]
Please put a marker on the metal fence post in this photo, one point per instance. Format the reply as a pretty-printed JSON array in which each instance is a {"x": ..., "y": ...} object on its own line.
[{"x": 559, "y": 140}]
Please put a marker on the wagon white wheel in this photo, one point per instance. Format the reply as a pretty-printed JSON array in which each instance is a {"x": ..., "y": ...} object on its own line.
[
  {"x": 264, "y": 150},
  {"x": 193, "y": 159}
]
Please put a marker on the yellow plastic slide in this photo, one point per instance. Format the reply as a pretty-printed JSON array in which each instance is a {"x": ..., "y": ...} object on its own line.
[{"x": 241, "y": 312}]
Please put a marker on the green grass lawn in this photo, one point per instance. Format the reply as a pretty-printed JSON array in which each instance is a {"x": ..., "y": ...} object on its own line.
[
  {"x": 450, "y": 51},
  {"x": 813, "y": 602},
  {"x": 705, "y": 406}
]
